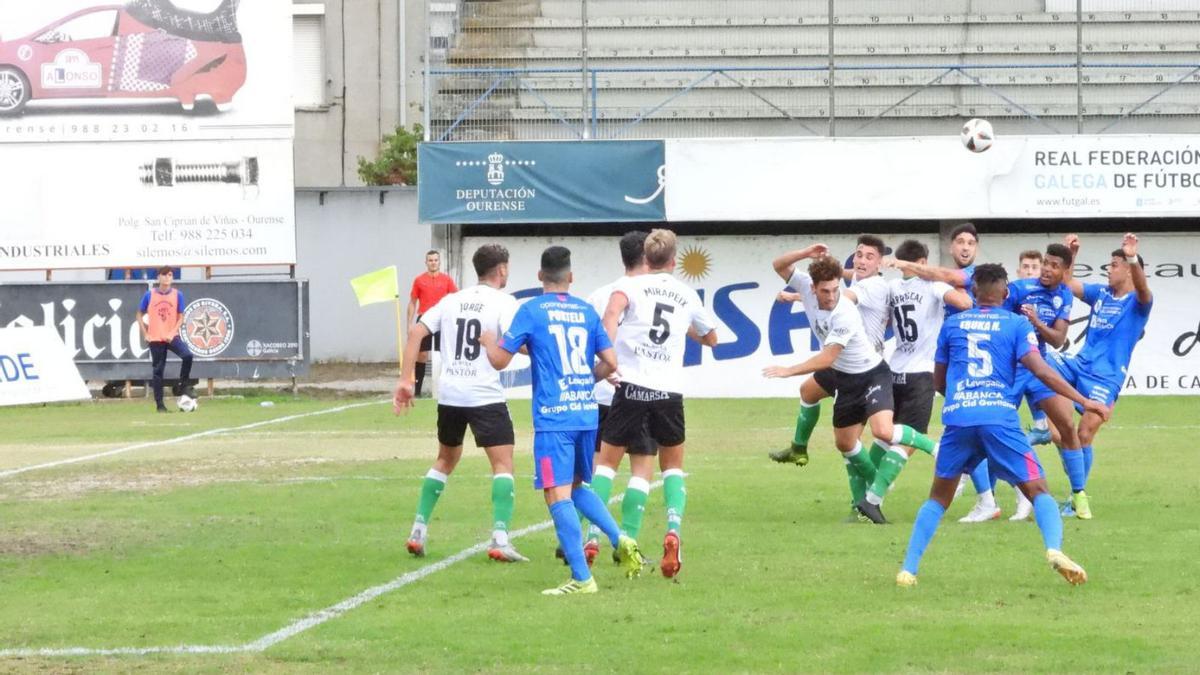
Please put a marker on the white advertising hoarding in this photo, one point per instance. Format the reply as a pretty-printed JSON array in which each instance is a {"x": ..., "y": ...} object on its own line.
[
  {"x": 146, "y": 133},
  {"x": 735, "y": 278},
  {"x": 35, "y": 367},
  {"x": 931, "y": 178}
]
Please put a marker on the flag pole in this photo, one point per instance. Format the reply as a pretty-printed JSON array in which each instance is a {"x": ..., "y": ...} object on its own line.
[{"x": 399, "y": 338}]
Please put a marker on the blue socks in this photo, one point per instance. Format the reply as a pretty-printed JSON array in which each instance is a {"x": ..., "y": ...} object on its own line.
[
  {"x": 1076, "y": 468},
  {"x": 594, "y": 509},
  {"x": 570, "y": 538},
  {"x": 1087, "y": 462},
  {"x": 980, "y": 478},
  {"x": 924, "y": 526},
  {"x": 1049, "y": 521}
]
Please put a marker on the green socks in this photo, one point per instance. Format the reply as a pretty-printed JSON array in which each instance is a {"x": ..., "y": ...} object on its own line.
[
  {"x": 876, "y": 453},
  {"x": 889, "y": 468},
  {"x": 861, "y": 462},
  {"x": 633, "y": 507},
  {"x": 806, "y": 421},
  {"x": 905, "y": 435},
  {"x": 431, "y": 489},
  {"x": 858, "y": 486},
  {"x": 503, "y": 500},
  {"x": 675, "y": 494}
]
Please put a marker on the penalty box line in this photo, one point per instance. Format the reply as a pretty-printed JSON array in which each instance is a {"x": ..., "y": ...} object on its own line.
[
  {"x": 7, "y": 473},
  {"x": 301, "y": 625}
]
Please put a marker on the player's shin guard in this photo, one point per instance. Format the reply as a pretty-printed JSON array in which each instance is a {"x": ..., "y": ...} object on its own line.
[
  {"x": 806, "y": 421},
  {"x": 595, "y": 510},
  {"x": 1076, "y": 468},
  {"x": 566, "y": 526},
  {"x": 902, "y": 434},
  {"x": 877, "y": 452},
  {"x": 431, "y": 488},
  {"x": 675, "y": 495},
  {"x": 858, "y": 486},
  {"x": 861, "y": 463},
  {"x": 1049, "y": 521},
  {"x": 1087, "y": 463},
  {"x": 889, "y": 468},
  {"x": 503, "y": 501},
  {"x": 633, "y": 506},
  {"x": 924, "y": 527}
]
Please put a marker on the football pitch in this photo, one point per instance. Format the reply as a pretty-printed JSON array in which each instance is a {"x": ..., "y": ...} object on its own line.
[{"x": 271, "y": 539}]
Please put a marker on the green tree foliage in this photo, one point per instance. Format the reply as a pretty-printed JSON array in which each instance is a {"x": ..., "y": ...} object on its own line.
[{"x": 397, "y": 160}]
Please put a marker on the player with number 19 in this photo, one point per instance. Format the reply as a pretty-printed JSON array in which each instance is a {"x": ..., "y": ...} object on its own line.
[{"x": 469, "y": 394}]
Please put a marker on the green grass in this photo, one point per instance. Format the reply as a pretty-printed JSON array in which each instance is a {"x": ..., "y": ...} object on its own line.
[{"x": 228, "y": 537}]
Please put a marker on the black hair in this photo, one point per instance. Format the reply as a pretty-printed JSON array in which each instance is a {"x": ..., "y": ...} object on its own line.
[
  {"x": 965, "y": 228},
  {"x": 1062, "y": 252},
  {"x": 988, "y": 275},
  {"x": 1120, "y": 253},
  {"x": 556, "y": 264},
  {"x": 633, "y": 249},
  {"x": 874, "y": 242},
  {"x": 912, "y": 250},
  {"x": 487, "y": 258}
]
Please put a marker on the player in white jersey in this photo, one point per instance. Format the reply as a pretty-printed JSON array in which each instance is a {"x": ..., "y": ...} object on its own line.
[
  {"x": 469, "y": 394},
  {"x": 642, "y": 448},
  {"x": 849, "y": 365},
  {"x": 918, "y": 307},
  {"x": 649, "y": 317},
  {"x": 869, "y": 291}
]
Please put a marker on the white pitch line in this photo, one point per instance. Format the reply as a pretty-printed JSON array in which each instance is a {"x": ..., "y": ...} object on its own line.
[
  {"x": 301, "y": 625},
  {"x": 180, "y": 439}
]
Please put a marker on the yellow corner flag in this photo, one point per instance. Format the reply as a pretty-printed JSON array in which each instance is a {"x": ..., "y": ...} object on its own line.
[{"x": 377, "y": 286}]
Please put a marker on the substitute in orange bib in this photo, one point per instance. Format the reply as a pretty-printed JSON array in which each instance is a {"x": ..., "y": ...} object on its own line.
[
  {"x": 428, "y": 289},
  {"x": 159, "y": 316}
]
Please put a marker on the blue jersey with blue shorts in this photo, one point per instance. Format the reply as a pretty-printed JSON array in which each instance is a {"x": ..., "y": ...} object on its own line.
[
  {"x": 968, "y": 273},
  {"x": 981, "y": 349},
  {"x": 1051, "y": 304},
  {"x": 563, "y": 334},
  {"x": 1117, "y": 323}
]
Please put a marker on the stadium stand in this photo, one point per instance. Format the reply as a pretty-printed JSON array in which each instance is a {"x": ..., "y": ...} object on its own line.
[{"x": 511, "y": 69}]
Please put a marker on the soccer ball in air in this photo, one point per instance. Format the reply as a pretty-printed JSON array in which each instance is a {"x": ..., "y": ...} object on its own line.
[
  {"x": 977, "y": 135},
  {"x": 188, "y": 404}
]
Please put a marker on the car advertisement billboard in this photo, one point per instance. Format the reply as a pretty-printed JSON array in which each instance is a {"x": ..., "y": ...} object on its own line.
[{"x": 150, "y": 132}]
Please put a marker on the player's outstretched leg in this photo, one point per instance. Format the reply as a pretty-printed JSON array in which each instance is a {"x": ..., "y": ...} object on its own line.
[
  {"x": 431, "y": 489},
  {"x": 985, "y": 508},
  {"x": 503, "y": 501},
  {"x": 570, "y": 538},
  {"x": 806, "y": 420},
  {"x": 1050, "y": 523}
]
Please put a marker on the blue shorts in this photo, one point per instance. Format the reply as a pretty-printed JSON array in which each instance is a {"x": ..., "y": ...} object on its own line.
[
  {"x": 1096, "y": 388},
  {"x": 562, "y": 457},
  {"x": 1005, "y": 447},
  {"x": 1034, "y": 390}
]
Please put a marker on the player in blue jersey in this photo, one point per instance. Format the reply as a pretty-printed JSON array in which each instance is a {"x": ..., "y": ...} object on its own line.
[
  {"x": 1046, "y": 302},
  {"x": 978, "y": 354},
  {"x": 1029, "y": 266},
  {"x": 564, "y": 339},
  {"x": 1120, "y": 310}
]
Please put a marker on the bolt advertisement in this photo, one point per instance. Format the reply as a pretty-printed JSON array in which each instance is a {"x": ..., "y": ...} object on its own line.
[{"x": 145, "y": 133}]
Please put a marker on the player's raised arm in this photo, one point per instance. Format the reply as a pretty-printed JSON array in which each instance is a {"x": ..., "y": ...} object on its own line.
[
  {"x": 1130, "y": 247},
  {"x": 945, "y": 275},
  {"x": 957, "y": 298},
  {"x": 1071, "y": 241},
  {"x": 785, "y": 264},
  {"x": 822, "y": 360},
  {"x": 1033, "y": 361}
]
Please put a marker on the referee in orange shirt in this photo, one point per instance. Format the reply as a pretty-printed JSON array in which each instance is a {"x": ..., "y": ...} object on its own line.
[{"x": 427, "y": 290}]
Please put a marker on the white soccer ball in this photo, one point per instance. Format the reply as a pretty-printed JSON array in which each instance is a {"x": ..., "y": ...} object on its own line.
[
  {"x": 977, "y": 135},
  {"x": 188, "y": 404}
]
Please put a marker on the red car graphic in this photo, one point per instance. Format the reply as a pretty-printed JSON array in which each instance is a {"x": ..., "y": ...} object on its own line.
[{"x": 144, "y": 49}]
